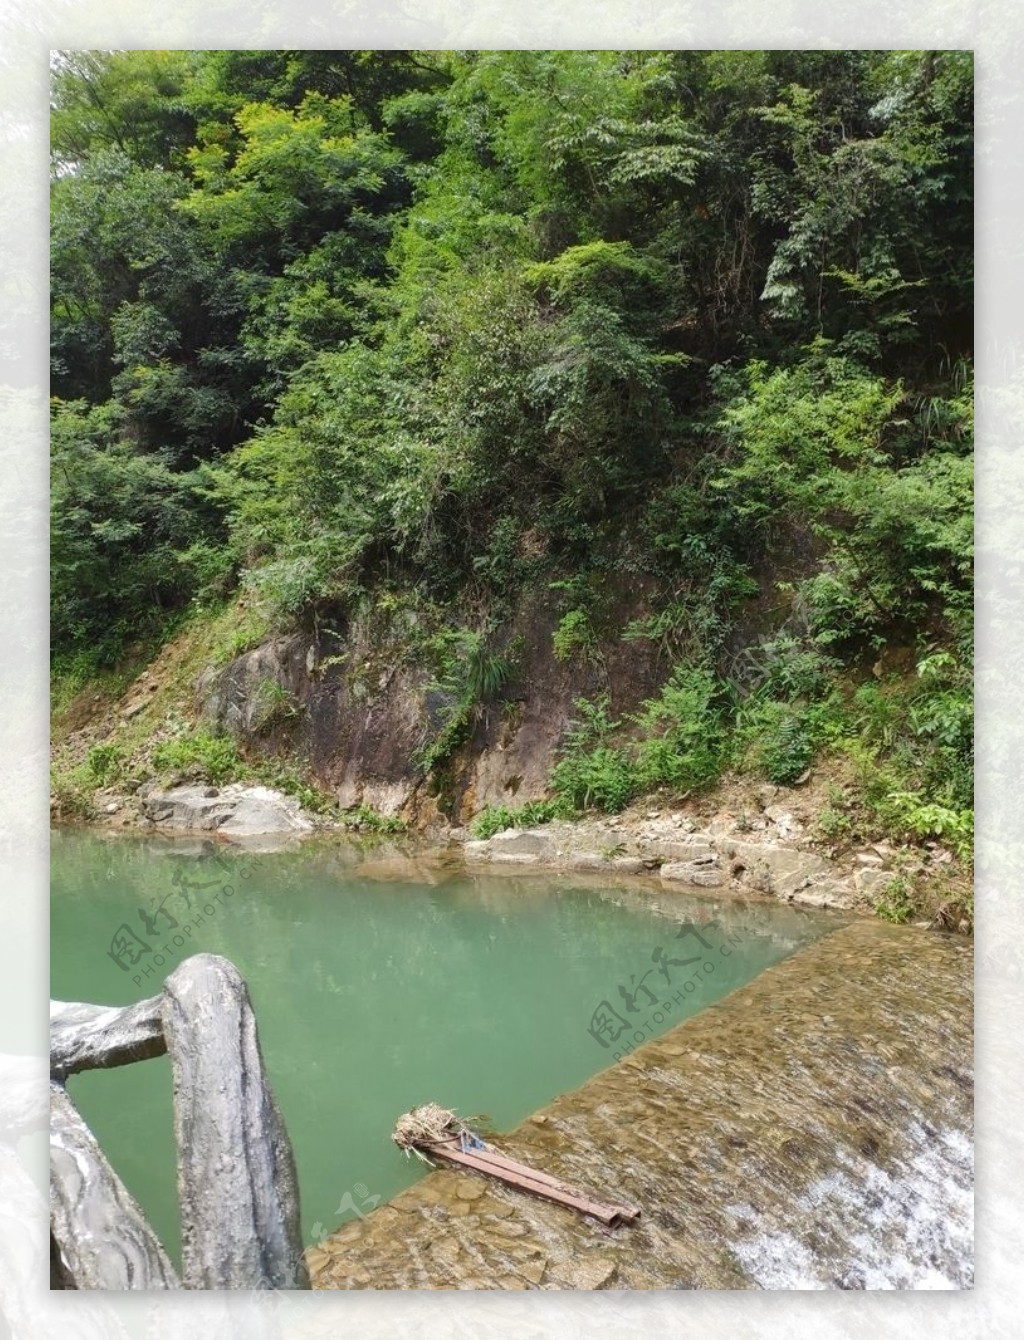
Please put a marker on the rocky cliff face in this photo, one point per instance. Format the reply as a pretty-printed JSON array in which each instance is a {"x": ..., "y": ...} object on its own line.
[{"x": 359, "y": 709}]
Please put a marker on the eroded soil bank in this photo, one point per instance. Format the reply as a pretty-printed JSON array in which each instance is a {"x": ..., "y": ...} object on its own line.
[{"x": 812, "y": 1130}]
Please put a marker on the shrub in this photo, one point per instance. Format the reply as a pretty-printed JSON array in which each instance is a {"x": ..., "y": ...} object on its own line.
[
  {"x": 894, "y": 903},
  {"x": 789, "y": 668},
  {"x": 834, "y": 824},
  {"x": 787, "y": 749},
  {"x": 591, "y": 773},
  {"x": 602, "y": 778},
  {"x": 288, "y": 586},
  {"x": 684, "y": 742},
  {"x": 214, "y": 758},
  {"x": 574, "y": 636},
  {"x": 912, "y": 814},
  {"x": 103, "y": 762},
  {"x": 497, "y": 818}
]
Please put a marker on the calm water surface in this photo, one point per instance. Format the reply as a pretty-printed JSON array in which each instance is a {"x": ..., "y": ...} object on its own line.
[{"x": 373, "y": 994}]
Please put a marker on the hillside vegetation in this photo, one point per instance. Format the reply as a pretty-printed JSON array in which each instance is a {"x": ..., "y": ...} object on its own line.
[{"x": 409, "y": 336}]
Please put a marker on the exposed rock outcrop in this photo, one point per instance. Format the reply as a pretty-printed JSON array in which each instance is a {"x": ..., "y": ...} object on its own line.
[
  {"x": 237, "y": 811},
  {"x": 769, "y": 861},
  {"x": 361, "y": 704}
]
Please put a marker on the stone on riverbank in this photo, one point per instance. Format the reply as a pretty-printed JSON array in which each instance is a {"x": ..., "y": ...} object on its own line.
[{"x": 236, "y": 811}]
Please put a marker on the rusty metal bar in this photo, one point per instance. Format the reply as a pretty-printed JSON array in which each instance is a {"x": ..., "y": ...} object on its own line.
[{"x": 489, "y": 1161}]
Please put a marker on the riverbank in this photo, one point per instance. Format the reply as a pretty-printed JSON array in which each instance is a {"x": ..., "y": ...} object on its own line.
[
  {"x": 749, "y": 841},
  {"x": 812, "y": 1130},
  {"x": 164, "y": 746}
]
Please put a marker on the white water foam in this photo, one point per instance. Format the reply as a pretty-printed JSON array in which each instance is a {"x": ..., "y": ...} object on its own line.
[{"x": 910, "y": 1227}]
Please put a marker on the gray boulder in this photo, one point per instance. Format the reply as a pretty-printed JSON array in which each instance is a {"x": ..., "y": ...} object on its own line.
[{"x": 235, "y": 810}]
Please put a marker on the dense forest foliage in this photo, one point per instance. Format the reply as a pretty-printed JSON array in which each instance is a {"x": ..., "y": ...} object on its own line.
[{"x": 431, "y": 329}]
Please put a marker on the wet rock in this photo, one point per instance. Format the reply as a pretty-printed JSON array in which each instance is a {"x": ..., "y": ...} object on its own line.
[
  {"x": 469, "y": 1189},
  {"x": 588, "y": 1272},
  {"x": 533, "y": 1270},
  {"x": 588, "y": 860},
  {"x": 705, "y": 872},
  {"x": 447, "y": 1250},
  {"x": 823, "y": 895},
  {"x": 627, "y": 865},
  {"x": 878, "y": 1019},
  {"x": 593, "y": 860}
]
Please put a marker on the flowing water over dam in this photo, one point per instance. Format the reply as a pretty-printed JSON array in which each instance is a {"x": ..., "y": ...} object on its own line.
[
  {"x": 792, "y": 1106},
  {"x": 811, "y": 1131}
]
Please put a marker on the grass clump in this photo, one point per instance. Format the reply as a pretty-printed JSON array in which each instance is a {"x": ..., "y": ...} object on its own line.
[
  {"x": 211, "y": 758},
  {"x": 497, "y": 818},
  {"x": 365, "y": 819},
  {"x": 894, "y": 903},
  {"x": 71, "y": 795}
]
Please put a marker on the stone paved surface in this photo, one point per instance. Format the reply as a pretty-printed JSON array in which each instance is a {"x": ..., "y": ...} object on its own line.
[{"x": 812, "y": 1129}]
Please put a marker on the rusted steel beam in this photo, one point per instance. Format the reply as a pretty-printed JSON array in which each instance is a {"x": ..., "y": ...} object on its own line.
[{"x": 525, "y": 1178}]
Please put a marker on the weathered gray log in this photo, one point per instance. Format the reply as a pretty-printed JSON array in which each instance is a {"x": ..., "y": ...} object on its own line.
[
  {"x": 237, "y": 1185},
  {"x": 102, "y": 1238},
  {"x": 93, "y": 1037}
]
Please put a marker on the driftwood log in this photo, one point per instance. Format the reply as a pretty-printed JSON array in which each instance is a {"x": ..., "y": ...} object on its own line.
[
  {"x": 237, "y": 1186},
  {"x": 93, "y": 1037},
  {"x": 104, "y": 1241}
]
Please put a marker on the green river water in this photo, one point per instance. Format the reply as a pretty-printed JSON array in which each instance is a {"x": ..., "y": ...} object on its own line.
[{"x": 374, "y": 994}]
